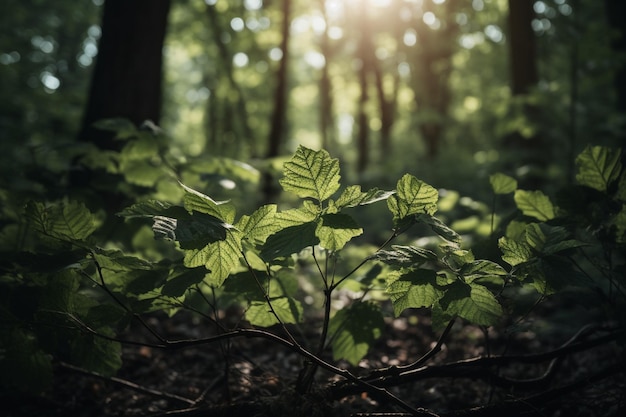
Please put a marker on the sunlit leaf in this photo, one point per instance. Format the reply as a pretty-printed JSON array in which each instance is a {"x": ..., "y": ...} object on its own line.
[
  {"x": 514, "y": 252},
  {"x": 335, "y": 230},
  {"x": 405, "y": 256},
  {"x": 439, "y": 228},
  {"x": 287, "y": 309},
  {"x": 306, "y": 213},
  {"x": 598, "y": 166},
  {"x": 260, "y": 224},
  {"x": 220, "y": 257},
  {"x": 312, "y": 174},
  {"x": 483, "y": 270},
  {"x": 196, "y": 201},
  {"x": 502, "y": 184},
  {"x": 534, "y": 204},
  {"x": 474, "y": 303},
  {"x": 352, "y": 196},
  {"x": 414, "y": 289},
  {"x": 354, "y": 329},
  {"x": 412, "y": 196}
]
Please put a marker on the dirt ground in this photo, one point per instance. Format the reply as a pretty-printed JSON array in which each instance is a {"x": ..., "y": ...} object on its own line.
[{"x": 250, "y": 377}]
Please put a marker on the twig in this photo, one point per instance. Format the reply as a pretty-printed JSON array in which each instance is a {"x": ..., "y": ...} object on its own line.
[{"x": 128, "y": 384}]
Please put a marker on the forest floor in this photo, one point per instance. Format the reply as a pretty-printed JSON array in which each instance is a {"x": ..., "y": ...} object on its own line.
[{"x": 248, "y": 377}]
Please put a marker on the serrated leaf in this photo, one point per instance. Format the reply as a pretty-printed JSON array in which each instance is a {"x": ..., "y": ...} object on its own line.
[
  {"x": 71, "y": 220},
  {"x": 312, "y": 174},
  {"x": 412, "y": 196},
  {"x": 514, "y": 252},
  {"x": 150, "y": 208},
  {"x": 260, "y": 224},
  {"x": 196, "y": 201},
  {"x": 534, "y": 204},
  {"x": 220, "y": 257},
  {"x": 287, "y": 309},
  {"x": 535, "y": 237},
  {"x": 288, "y": 241},
  {"x": 481, "y": 270},
  {"x": 335, "y": 230},
  {"x": 474, "y": 303},
  {"x": 352, "y": 196},
  {"x": 598, "y": 166},
  {"x": 306, "y": 213},
  {"x": 405, "y": 256},
  {"x": 354, "y": 329},
  {"x": 502, "y": 184},
  {"x": 439, "y": 227},
  {"x": 414, "y": 289}
]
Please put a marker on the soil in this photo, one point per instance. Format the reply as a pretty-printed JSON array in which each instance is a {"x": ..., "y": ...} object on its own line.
[{"x": 248, "y": 377}]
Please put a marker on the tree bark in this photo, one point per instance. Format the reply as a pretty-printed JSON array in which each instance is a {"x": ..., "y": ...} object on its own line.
[
  {"x": 524, "y": 73},
  {"x": 126, "y": 81}
]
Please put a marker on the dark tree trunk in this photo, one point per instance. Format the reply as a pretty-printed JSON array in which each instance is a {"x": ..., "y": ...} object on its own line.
[
  {"x": 522, "y": 46},
  {"x": 127, "y": 77},
  {"x": 325, "y": 90},
  {"x": 527, "y": 151},
  {"x": 279, "y": 116},
  {"x": 365, "y": 56},
  {"x": 616, "y": 13}
]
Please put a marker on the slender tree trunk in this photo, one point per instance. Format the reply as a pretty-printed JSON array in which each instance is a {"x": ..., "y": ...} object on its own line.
[
  {"x": 524, "y": 73},
  {"x": 226, "y": 61},
  {"x": 528, "y": 151},
  {"x": 279, "y": 116},
  {"x": 127, "y": 76},
  {"x": 616, "y": 12},
  {"x": 365, "y": 56},
  {"x": 325, "y": 89}
]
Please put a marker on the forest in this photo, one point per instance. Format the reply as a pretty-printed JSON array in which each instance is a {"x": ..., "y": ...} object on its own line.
[{"x": 316, "y": 208}]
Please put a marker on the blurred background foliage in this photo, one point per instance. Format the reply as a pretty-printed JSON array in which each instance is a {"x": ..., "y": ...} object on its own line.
[{"x": 448, "y": 91}]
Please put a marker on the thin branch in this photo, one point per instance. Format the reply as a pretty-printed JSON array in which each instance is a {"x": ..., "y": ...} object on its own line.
[{"x": 128, "y": 384}]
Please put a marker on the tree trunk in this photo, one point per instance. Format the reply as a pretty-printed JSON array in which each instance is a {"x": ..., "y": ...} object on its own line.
[
  {"x": 325, "y": 89},
  {"x": 524, "y": 73},
  {"x": 127, "y": 76},
  {"x": 365, "y": 56},
  {"x": 279, "y": 116},
  {"x": 528, "y": 151}
]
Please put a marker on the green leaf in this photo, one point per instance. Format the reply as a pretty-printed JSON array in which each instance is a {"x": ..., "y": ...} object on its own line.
[
  {"x": 288, "y": 241},
  {"x": 405, "y": 256},
  {"x": 335, "y": 230},
  {"x": 414, "y": 289},
  {"x": 598, "y": 167},
  {"x": 534, "y": 204},
  {"x": 71, "y": 221},
  {"x": 412, "y": 196},
  {"x": 514, "y": 252},
  {"x": 306, "y": 213},
  {"x": 312, "y": 174},
  {"x": 196, "y": 201},
  {"x": 439, "y": 228},
  {"x": 474, "y": 303},
  {"x": 180, "y": 281},
  {"x": 483, "y": 270},
  {"x": 288, "y": 310},
  {"x": 220, "y": 257},
  {"x": 502, "y": 184},
  {"x": 260, "y": 224},
  {"x": 354, "y": 329},
  {"x": 352, "y": 196}
]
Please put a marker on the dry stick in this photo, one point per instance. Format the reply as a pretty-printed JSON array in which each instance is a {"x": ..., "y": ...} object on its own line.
[
  {"x": 478, "y": 368},
  {"x": 128, "y": 384},
  {"x": 252, "y": 333}
]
